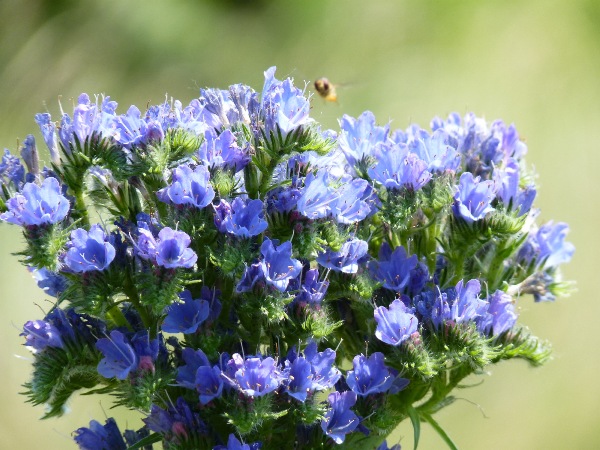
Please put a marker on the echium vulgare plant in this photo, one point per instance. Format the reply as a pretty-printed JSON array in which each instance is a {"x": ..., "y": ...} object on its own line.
[{"x": 244, "y": 279}]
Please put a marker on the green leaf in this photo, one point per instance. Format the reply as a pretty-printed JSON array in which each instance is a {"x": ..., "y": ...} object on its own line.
[
  {"x": 436, "y": 426},
  {"x": 416, "y": 423},
  {"x": 148, "y": 440}
]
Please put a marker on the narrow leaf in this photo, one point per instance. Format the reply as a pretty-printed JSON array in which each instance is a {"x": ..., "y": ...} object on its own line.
[{"x": 416, "y": 423}]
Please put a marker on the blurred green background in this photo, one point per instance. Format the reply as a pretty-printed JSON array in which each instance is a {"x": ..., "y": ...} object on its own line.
[{"x": 535, "y": 63}]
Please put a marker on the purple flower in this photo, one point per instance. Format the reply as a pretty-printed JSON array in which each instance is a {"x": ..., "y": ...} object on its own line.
[
  {"x": 222, "y": 151},
  {"x": 396, "y": 324},
  {"x": 473, "y": 198},
  {"x": 459, "y": 305},
  {"x": 37, "y": 205},
  {"x": 339, "y": 420},
  {"x": 40, "y": 334},
  {"x": 170, "y": 250},
  {"x": 360, "y": 136},
  {"x": 234, "y": 444},
  {"x": 100, "y": 437},
  {"x": 312, "y": 290},
  {"x": 255, "y": 377},
  {"x": 244, "y": 218},
  {"x": 500, "y": 315},
  {"x": 119, "y": 356},
  {"x": 278, "y": 266},
  {"x": 89, "y": 251},
  {"x": 370, "y": 375},
  {"x": 189, "y": 187},
  {"x": 397, "y": 168},
  {"x": 346, "y": 259},
  {"x": 185, "y": 317},
  {"x": 393, "y": 268},
  {"x": 507, "y": 181}
]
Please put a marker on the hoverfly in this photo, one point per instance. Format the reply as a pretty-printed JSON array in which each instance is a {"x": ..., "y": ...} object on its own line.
[{"x": 326, "y": 89}]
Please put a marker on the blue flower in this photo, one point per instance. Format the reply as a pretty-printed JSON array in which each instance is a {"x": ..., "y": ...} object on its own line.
[
  {"x": 252, "y": 275},
  {"x": 339, "y": 420},
  {"x": 244, "y": 218},
  {"x": 170, "y": 250},
  {"x": 48, "y": 129},
  {"x": 360, "y": 136},
  {"x": 370, "y": 375},
  {"x": 256, "y": 377},
  {"x": 324, "y": 373},
  {"x": 177, "y": 424},
  {"x": 508, "y": 190},
  {"x": 460, "y": 304},
  {"x": 186, "y": 374},
  {"x": 500, "y": 315},
  {"x": 298, "y": 377},
  {"x": 396, "y": 324},
  {"x": 119, "y": 357},
  {"x": 397, "y": 168},
  {"x": 100, "y": 437},
  {"x": 345, "y": 260},
  {"x": 384, "y": 446},
  {"x": 40, "y": 334},
  {"x": 317, "y": 198},
  {"x": 223, "y": 151},
  {"x": 209, "y": 383},
  {"x": 185, "y": 317},
  {"x": 312, "y": 290},
  {"x": 278, "y": 266},
  {"x": 131, "y": 129},
  {"x": 234, "y": 444},
  {"x": 11, "y": 171},
  {"x": 37, "y": 205},
  {"x": 51, "y": 283},
  {"x": 436, "y": 150},
  {"x": 284, "y": 105},
  {"x": 189, "y": 187},
  {"x": 473, "y": 198},
  {"x": 393, "y": 268},
  {"x": 352, "y": 204},
  {"x": 89, "y": 251},
  {"x": 30, "y": 155},
  {"x": 553, "y": 249}
]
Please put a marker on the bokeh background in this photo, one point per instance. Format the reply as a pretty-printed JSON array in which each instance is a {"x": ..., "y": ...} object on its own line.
[{"x": 535, "y": 63}]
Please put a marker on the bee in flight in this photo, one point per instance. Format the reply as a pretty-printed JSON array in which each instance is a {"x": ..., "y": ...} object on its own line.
[{"x": 326, "y": 89}]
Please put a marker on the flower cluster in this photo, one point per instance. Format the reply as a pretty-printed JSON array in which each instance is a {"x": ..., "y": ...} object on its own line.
[{"x": 257, "y": 281}]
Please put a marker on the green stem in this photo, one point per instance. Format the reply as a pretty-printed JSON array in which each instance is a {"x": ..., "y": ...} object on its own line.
[
  {"x": 116, "y": 315},
  {"x": 134, "y": 298},
  {"x": 436, "y": 426},
  {"x": 81, "y": 208}
]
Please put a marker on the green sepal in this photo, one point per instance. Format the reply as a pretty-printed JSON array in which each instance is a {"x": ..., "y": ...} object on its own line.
[
  {"x": 57, "y": 374},
  {"x": 519, "y": 343}
]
